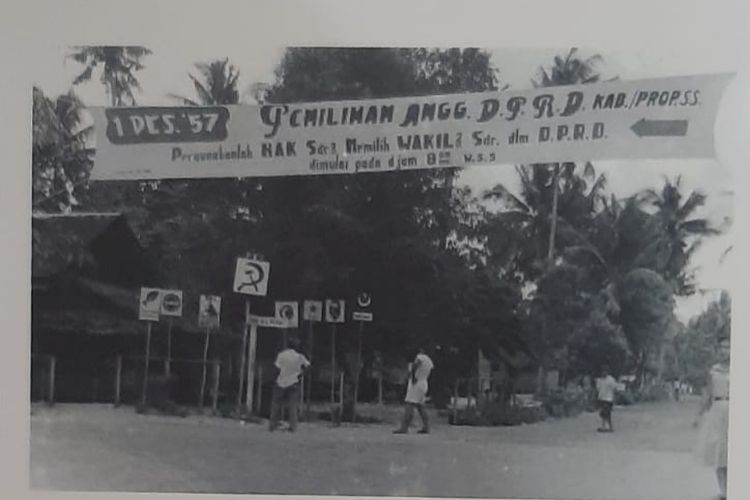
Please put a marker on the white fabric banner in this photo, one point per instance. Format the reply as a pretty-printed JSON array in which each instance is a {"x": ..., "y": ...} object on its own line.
[{"x": 640, "y": 119}]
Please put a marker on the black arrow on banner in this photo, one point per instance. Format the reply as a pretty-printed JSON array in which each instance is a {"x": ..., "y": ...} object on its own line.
[{"x": 659, "y": 128}]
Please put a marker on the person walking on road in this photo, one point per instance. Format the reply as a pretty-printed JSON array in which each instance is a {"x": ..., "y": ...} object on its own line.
[
  {"x": 713, "y": 437},
  {"x": 605, "y": 390},
  {"x": 416, "y": 393},
  {"x": 286, "y": 390}
]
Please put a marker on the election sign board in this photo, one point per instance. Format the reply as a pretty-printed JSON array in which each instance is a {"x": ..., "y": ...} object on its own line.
[
  {"x": 288, "y": 312},
  {"x": 209, "y": 311},
  {"x": 312, "y": 310},
  {"x": 267, "y": 321},
  {"x": 362, "y": 316},
  {"x": 335, "y": 311},
  {"x": 149, "y": 305},
  {"x": 364, "y": 300},
  {"x": 638, "y": 119},
  {"x": 171, "y": 303},
  {"x": 251, "y": 276}
]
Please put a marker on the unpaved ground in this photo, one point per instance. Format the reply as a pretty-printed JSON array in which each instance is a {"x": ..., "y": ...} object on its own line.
[{"x": 90, "y": 447}]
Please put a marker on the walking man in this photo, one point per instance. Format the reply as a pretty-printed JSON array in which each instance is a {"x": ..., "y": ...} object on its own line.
[
  {"x": 605, "y": 388},
  {"x": 286, "y": 390},
  {"x": 416, "y": 393}
]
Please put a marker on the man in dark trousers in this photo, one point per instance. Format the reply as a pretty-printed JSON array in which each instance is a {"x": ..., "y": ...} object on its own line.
[
  {"x": 286, "y": 390},
  {"x": 606, "y": 387},
  {"x": 416, "y": 393}
]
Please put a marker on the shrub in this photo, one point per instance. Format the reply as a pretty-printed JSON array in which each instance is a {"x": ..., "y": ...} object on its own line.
[
  {"x": 496, "y": 413},
  {"x": 565, "y": 403},
  {"x": 625, "y": 398},
  {"x": 655, "y": 392}
]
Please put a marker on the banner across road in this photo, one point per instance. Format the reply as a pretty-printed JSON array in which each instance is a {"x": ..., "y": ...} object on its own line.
[{"x": 638, "y": 119}]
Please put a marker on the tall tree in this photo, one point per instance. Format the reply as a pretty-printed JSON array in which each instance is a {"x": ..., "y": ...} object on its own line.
[
  {"x": 117, "y": 66},
  {"x": 216, "y": 84},
  {"x": 696, "y": 345},
  {"x": 379, "y": 226},
  {"x": 681, "y": 232},
  {"x": 61, "y": 157},
  {"x": 568, "y": 70}
]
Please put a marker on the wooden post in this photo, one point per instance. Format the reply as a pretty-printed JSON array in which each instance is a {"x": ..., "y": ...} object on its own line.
[
  {"x": 147, "y": 357},
  {"x": 357, "y": 370},
  {"x": 333, "y": 363},
  {"x": 52, "y": 363},
  {"x": 260, "y": 389},
  {"x": 205, "y": 362},
  {"x": 250, "y": 386},
  {"x": 341, "y": 395},
  {"x": 380, "y": 387},
  {"x": 217, "y": 379},
  {"x": 242, "y": 355},
  {"x": 455, "y": 402},
  {"x": 118, "y": 378},
  {"x": 168, "y": 359},
  {"x": 309, "y": 371}
]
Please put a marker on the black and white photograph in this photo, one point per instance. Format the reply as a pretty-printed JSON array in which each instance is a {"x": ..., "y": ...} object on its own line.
[{"x": 383, "y": 270}]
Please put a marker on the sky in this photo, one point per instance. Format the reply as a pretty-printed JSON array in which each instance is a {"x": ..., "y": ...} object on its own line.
[{"x": 167, "y": 71}]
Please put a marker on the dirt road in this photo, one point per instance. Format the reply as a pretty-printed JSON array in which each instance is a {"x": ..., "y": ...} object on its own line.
[{"x": 100, "y": 448}]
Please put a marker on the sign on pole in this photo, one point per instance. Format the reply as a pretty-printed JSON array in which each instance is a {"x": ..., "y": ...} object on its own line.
[
  {"x": 251, "y": 276},
  {"x": 289, "y": 313},
  {"x": 335, "y": 310},
  {"x": 312, "y": 310},
  {"x": 149, "y": 305},
  {"x": 171, "y": 302},
  {"x": 209, "y": 311},
  {"x": 171, "y": 306},
  {"x": 266, "y": 321},
  {"x": 364, "y": 300},
  {"x": 638, "y": 119},
  {"x": 362, "y": 316}
]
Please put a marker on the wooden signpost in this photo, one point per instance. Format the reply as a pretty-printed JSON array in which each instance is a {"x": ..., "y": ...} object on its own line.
[
  {"x": 362, "y": 315},
  {"x": 250, "y": 278},
  {"x": 209, "y": 313},
  {"x": 312, "y": 311},
  {"x": 335, "y": 313},
  {"x": 149, "y": 308},
  {"x": 171, "y": 306}
]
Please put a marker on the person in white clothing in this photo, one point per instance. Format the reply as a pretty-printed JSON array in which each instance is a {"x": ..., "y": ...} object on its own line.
[
  {"x": 605, "y": 389},
  {"x": 713, "y": 442},
  {"x": 286, "y": 391},
  {"x": 416, "y": 393}
]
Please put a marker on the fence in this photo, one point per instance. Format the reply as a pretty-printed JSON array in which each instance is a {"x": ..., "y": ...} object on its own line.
[{"x": 216, "y": 384}]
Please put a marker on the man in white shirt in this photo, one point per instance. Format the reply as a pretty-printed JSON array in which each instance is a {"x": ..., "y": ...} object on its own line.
[
  {"x": 605, "y": 389},
  {"x": 416, "y": 393},
  {"x": 286, "y": 391}
]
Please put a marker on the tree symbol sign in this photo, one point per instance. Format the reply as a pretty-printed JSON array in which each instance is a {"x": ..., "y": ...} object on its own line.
[{"x": 151, "y": 297}]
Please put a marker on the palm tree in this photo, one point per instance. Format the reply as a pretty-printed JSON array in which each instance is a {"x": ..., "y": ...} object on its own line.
[
  {"x": 568, "y": 70},
  {"x": 618, "y": 260},
  {"x": 216, "y": 85},
  {"x": 529, "y": 215},
  {"x": 681, "y": 231},
  {"x": 118, "y": 66},
  {"x": 61, "y": 156}
]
